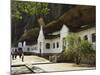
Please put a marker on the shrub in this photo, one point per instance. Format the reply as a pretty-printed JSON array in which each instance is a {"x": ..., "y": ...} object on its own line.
[{"x": 79, "y": 50}]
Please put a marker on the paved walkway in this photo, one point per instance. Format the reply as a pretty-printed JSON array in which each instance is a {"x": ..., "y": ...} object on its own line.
[
  {"x": 29, "y": 60},
  {"x": 61, "y": 67}
]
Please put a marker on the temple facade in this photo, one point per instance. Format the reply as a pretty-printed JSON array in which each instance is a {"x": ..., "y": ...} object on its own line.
[{"x": 54, "y": 43}]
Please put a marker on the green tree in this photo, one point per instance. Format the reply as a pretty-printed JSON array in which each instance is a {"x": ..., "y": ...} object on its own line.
[
  {"x": 24, "y": 13},
  {"x": 73, "y": 50},
  {"x": 18, "y": 8}
]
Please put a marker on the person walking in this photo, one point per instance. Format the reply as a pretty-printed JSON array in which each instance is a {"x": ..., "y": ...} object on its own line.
[
  {"x": 23, "y": 57},
  {"x": 21, "y": 54},
  {"x": 12, "y": 54},
  {"x": 15, "y": 53}
]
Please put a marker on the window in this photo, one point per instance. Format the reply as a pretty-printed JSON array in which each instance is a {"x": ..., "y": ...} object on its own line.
[
  {"x": 93, "y": 37},
  {"x": 57, "y": 45},
  {"x": 28, "y": 49},
  {"x": 32, "y": 48},
  {"x": 47, "y": 46},
  {"x": 53, "y": 45},
  {"x": 35, "y": 48},
  {"x": 85, "y": 37}
]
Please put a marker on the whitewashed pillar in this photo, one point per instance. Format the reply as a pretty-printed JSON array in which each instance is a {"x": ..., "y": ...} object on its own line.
[
  {"x": 90, "y": 38},
  {"x": 63, "y": 34},
  {"x": 20, "y": 44},
  {"x": 24, "y": 46},
  {"x": 41, "y": 41}
]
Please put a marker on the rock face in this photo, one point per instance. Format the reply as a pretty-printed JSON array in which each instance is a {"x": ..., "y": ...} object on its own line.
[
  {"x": 56, "y": 10},
  {"x": 74, "y": 16},
  {"x": 79, "y": 15}
]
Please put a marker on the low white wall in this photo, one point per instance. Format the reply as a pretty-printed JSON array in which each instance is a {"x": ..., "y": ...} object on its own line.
[
  {"x": 35, "y": 48},
  {"x": 32, "y": 48}
]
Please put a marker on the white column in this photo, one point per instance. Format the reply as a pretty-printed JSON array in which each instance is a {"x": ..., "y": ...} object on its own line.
[
  {"x": 63, "y": 34},
  {"x": 20, "y": 44},
  {"x": 90, "y": 38},
  {"x": 24, "y": 46},
  {"x": 41, "y": 40}
]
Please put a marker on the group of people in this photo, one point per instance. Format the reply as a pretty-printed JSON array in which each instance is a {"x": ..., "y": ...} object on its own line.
[{"x": 17, "y": 52}]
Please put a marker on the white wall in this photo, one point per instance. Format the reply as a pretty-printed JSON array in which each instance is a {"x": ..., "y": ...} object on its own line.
[
  {"x": 88, "y": 32},
  {"x": 63, "y": 33},
  {"x": 52, "y": 50},
  {"x": 32, "y": 48}
]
